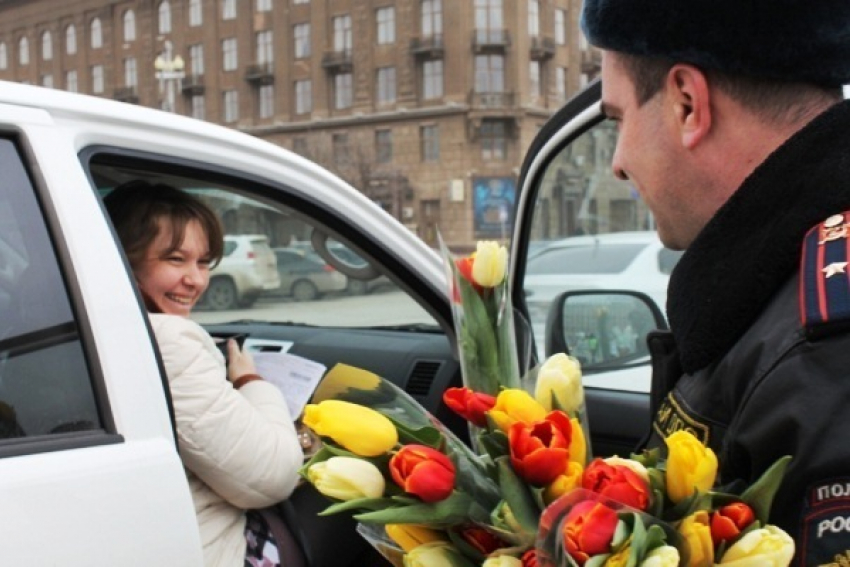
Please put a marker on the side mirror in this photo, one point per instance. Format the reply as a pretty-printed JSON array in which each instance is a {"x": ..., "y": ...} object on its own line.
[{"x": 604, "y": 330}]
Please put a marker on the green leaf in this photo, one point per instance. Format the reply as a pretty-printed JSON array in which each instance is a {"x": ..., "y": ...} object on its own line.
[
  {"x": 518, "y": 496},
  {"x": 494, "y": 444},
  {"x": 759, "y": 495},
  {"x": 407, "y": 434},
  {"x": 453, "y": 510},
  {"x": 357, "y": 504}
]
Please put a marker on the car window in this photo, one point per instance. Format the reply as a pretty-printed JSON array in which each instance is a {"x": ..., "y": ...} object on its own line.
[
  {"x": 45, "y": 385},
  {"x": 271, "y": 273},
  {"x": 667, "y": 260},
  {"x": 590, "y": 259}
]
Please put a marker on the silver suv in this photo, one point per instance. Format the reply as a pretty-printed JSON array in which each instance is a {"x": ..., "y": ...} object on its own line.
[{"x": 248, "y": 268}]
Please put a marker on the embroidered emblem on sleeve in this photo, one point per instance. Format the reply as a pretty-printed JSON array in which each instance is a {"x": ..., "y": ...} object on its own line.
[
  {"x": 826, "y": 524},
  {"x": 672, "y": 417}
]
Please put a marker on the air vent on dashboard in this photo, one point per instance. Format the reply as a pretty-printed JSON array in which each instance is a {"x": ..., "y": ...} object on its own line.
[{"x": 421, "y": 377}]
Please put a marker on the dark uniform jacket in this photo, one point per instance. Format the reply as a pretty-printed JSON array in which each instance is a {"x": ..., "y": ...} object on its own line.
[{"x": 758, "y": 366}]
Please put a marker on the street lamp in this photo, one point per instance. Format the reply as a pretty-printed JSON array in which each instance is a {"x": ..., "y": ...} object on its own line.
[{"x": 169, "y": 70}]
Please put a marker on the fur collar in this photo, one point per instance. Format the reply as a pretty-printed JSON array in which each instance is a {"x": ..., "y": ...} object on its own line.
[{"x": 752, "y": 245}]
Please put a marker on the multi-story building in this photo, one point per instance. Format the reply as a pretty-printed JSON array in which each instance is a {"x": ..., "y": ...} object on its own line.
[{"x": 427, "y": 106}]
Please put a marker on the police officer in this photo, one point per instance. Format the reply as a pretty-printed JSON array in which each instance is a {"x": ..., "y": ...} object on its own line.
[{"x": 732, "y": 128}]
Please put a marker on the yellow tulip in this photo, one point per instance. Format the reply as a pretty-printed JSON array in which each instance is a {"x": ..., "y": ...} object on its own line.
[
  {"x": 578, "y": 444},
  {"x": 347, "y": 478},
  {"x": 564, "y": 483},
  {"x": 691, "y": 466},
  {"x": 490, "y": 264},
  {"x": 560, "y": 377},
  {"x": 410, "y": 536},
  {"x": 361, "y": 430},
  {"x": 696, "y": 532},
  {"x": 513, "y": 405},
  {"x": 619, "y": 559},
  {"x": 664, "y": 556},
  {"x": 765, "y": 547},
  {"x": 502, "y": 561},
  {"x": 435, "y": 554}
]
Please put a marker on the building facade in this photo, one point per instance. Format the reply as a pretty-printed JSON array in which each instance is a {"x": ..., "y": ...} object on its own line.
[{"x": 426, "y": 106}]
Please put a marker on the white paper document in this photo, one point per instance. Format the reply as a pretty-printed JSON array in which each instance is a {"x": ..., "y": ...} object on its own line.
[{"x": 295, "y": 376}]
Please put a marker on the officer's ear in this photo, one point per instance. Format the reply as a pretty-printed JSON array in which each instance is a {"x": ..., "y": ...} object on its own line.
[{"x": 688, "y": 97}]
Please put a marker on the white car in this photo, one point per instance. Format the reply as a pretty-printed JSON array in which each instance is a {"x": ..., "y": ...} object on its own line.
[{"x": 247, "y": 269}]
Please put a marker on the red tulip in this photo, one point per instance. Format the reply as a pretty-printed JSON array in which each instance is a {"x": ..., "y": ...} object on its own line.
[
  {"x": 619, "y": 483},
  {"x": 588, "y": 530},
  {"x": 423, "y": 472},
  {"x": 540, "y": 451},
  {"x": 728, "y": 521},
  {"x": 529, "y": 558},
  {"x": 482, "y": 540},
  {"x": 464, "y": 266},
  {"x": 472, "y": 406}
]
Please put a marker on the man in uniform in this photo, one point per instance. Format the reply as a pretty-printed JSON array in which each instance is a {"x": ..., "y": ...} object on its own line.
[{"x": 732, "y": 128}]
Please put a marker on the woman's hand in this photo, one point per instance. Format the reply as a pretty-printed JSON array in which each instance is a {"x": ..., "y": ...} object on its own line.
[{"x": 239, "y": 363}]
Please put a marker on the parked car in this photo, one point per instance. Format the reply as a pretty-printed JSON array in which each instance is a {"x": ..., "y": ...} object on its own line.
[
  {"x": 247, "y": 269},
  {"x": 305, "y": 276},
  {"x": 356, "y": 284}
]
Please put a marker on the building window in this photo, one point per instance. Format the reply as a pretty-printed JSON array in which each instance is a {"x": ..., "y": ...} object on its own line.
[
  {"x": 489, "y": 74},
  {"x": 228, "y": 51},
  {"x": 386, "y": 25},
  {"x": 228, "y": 9},
  {"x": 71, "y": 40},
  {"x": 129, "y": 25},
  {"x": 71, "y": 84},
  {"x": 266, "y": 101},
  {"x": 300, "y": 1},
  {"x": 47, "y": 81},
  {"x": 534, "y": 78},
  {"x": 231, "y": 106},
  {"x": 47, "y": 46},
  {"x": 386, "y": 85},
  {"x": 4, "y": 56},
  {"x": 343, "y": 91},
  {"x": 488, "y": 14},
  {"x": 560, "y": 26},
  {"x": 265, "y": 47},
  {"x": 493, "y": 140},
  {"x": 130, "y": 77},
  {"x": 339, "y": 143},
  {"x": 432, "y": 17},
  {"x": 196, "y": 14},
  {"x": 383, "y": 146},
  {"x": 429, "y": 139},
  {"x": 97, "y": 79},
  {"x": 165, "y": 17},
  {"x": 24, "y": 51},
  {"x": 561, "y": 83},
  {"x": 196, "y": 59},
  {"x": 342, "y": 33},
  {"x": 301, "y": 36},
  {"x": 96, "y": 34},
  {"x": 303, "y": 97},
  {"x": 199, "y": 107},
  {"x": 534, "y": 18},
  {"x": 264, "y": 5},
  {"x": 432, "y": 79}
]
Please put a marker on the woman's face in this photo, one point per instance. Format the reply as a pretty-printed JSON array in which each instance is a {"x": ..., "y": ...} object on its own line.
[{"x": 175, "y": 279}]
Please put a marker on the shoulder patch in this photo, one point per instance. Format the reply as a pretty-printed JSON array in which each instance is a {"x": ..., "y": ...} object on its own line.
[
  {"x": 824, "y": 277},
  {"x": 825, "y": 538}
]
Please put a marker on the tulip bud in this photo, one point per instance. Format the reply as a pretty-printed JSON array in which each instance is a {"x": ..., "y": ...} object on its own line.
[
  {"x": 691, "y": 466},
  {"x": 765, "y": 547},
  {"x": 490, "y": 264},
  {"x": 564, "y": 483},
  {"x": 361, "y": 430},
  {"x": 435, "y": 554},
  {"x": 560, "y": 378},
  {"x": 411, "y": 536},
  {"x": 663, "y": 556},
  {"x": 697, "y": 535},
  {"x": 346, "y": 478},
  {"x": 423, "y": 472},
  {"x": 502, "y": 561},
  {"x": 513, "y": 405}
]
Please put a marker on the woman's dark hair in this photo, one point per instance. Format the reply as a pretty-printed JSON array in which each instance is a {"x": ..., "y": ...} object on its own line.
[{"x": 137, "y": 208}]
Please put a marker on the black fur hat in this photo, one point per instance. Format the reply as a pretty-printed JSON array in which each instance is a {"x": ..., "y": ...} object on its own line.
[{"x": 794, "y": 40}]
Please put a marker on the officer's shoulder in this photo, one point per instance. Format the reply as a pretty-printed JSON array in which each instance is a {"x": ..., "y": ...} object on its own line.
[{"x": 824, "y": 278}]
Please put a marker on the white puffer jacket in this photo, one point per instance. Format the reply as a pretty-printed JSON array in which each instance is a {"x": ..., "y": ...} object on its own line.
[{"x": 239, "y": 447}]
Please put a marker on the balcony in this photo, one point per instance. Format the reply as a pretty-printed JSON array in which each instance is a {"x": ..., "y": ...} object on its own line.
[
  {"x": 193, "y": 85},
  {"x": 490, "y": 41},
  {"x": 542, "y": 48},
  {"x": 338, "y": 61},
  {"x": 427, "y": 47},
  {"x": 126, "y": 94},
  {"x": 479, "y": 101},
  {"x": 591, "y": 61},
  {"x": 260, "y": 73}
]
